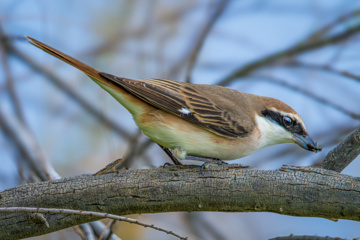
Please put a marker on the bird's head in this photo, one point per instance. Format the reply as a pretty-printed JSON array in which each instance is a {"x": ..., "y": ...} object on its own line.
[{"x": 279, "y": 123}]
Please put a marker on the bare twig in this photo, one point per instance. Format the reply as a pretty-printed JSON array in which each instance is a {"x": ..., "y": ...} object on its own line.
[
  {"x": 99, "y": 227},
  {"x": 27, "y": 145},
  {"x": 87, "y": 231},
  {"x": 219, "y": 9},
  {"x": 9, "y": 78},
  {"x": 290, "y": 52},
  {"x": 137, "y": 150},
  {"x": 327, "y": 28},
  {"x": 86, "y": 213},
  {"x": 79, "y": 232},
  {"x": 344, "y": 153},
  {"x": 107, "y": 232},
  {"x": 324, "y": 68},
  {"x": 307, "y": 93}
]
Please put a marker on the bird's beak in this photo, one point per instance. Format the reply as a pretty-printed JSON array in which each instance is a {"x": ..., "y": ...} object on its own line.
[{"x": 306, "y": 142}]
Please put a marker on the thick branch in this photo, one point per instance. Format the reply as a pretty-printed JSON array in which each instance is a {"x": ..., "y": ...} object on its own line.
[{"x": 291, "y": 190}]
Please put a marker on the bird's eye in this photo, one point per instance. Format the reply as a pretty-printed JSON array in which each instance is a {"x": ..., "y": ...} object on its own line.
[{"x": 288, "y": 122}]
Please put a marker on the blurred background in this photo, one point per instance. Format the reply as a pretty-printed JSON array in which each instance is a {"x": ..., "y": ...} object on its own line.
[{"x": 54, "y": 119}]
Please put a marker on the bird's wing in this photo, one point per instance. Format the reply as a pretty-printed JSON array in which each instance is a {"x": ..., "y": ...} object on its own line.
[{"x": 185, "y": 102}]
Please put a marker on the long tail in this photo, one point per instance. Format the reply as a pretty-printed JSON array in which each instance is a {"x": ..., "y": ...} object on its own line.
[
  {"x": 133, "y": 104},
  {"x": 91, "y": 72}
]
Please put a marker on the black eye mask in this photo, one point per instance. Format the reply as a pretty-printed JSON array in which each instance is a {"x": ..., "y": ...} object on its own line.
[{"x": 284, "y": 121}]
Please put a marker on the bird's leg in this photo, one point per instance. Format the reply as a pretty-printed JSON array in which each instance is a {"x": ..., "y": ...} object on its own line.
[{"x": 171, "y": 156}]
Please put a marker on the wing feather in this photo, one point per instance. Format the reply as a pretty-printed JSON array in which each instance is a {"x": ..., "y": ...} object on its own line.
[{"x": 185, "y": 102}]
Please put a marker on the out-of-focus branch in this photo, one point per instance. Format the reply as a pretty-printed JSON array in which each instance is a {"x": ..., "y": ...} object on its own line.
[
  {"x": 344, "y": 153},
  {"x": 297, "y": 49},
  {"x": 307, "y": 93},
  {"x": 135, "y": 150},
  {"x": 26, "y": 144},
  {"x": 86, "y": 232},
  {"x": 9, "y": 78},
  {"x": 219, "y": 9},
  {"x": 99, "y": 228},
  {"x": 327, "y": 28},
  {"x": 327, "y": 68}
]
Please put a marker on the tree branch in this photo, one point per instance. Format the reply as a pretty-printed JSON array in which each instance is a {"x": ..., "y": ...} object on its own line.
[
  {"x": 324, "y": 68},
  {"x": 219, "y": 9},
  {"x": 294, "y": 191},
  {"x": 307, "y": 93},
  {"x": 344, "y": 153},
  {"x": 299, "y": 48}
]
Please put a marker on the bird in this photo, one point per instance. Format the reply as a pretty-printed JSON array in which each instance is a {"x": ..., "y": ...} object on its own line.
[{"x": 199, "y": 121}]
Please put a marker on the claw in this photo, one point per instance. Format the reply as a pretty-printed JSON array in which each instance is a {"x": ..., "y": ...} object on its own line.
[{"x": 216, "y": 162}]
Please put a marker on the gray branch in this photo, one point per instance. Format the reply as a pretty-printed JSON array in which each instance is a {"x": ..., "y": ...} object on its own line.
[
  {"x": 344, "y": 153},
  {"x": 295, "y": 191}
]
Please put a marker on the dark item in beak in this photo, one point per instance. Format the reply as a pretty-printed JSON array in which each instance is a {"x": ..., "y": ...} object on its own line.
[{"x": 307, "y": 143}]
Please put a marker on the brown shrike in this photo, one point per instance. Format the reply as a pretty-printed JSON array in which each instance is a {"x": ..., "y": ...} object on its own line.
[{"x": 199, "y": 121}]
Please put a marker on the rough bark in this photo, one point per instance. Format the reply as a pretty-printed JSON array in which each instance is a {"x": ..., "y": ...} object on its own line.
[
  {"x": 344, "y": 153},
  {"x": 295, "y": 191}
]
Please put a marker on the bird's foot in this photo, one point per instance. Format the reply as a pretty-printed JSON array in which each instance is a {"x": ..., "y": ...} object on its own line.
[
  {"x": 167, "y": 164},
  {"x": 211, "y": 163}
]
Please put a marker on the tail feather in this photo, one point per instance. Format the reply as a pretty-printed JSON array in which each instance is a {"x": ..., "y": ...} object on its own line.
[
  {"x": 133, "y": 104},
  {"x": 91, "y": 72}
]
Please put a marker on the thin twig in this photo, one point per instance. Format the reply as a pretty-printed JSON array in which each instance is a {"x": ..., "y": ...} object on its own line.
[
  {"x": 99, "y": 227},
  {"x": 87, "y": 231},
  {"x": 324, "y": 68},
  {"x": 327, "y": 28},
  {"x": 219, "y": 9},
  {"x": 9, "y": 78},
  {"x": 307, "y": 93},
  {"x": 79, "y": 232},
  {"x": 86, "y": 213},
  {"x": 137, "y": 150},
  {"x": 27, "y": 145},
  {"x": 287, "y": 53},
  {"x": 107, "y": 232},
  {"x": 344, "y": 153}
]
